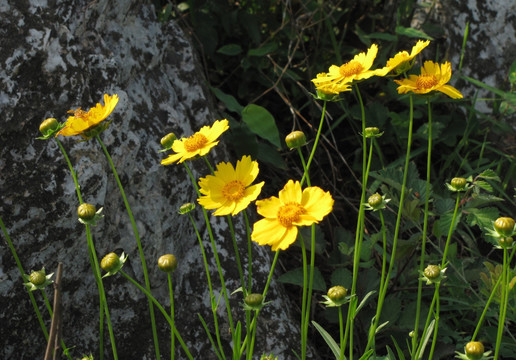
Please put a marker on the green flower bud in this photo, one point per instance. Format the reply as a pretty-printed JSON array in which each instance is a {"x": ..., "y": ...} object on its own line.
[
  {"x": 295, "y": 139},
  {"x": 253, "y": 300},
  {"x": 337, "y": 293},
  {"x": 167, "y": 263},
  {"x": 86, "y": 211},
  {"x": 505, "y": 242},
  {"x": 168, "y": 140},
  {"x": 48, "y": 126},
  {"x": 186, "y": 208},
  {"x": 504, "y": 226},
  {"x": 432, "y": 272},
  {"x": 474, "y": 350},
  {"x": 110, "y": 262},
  {"x": 268, "y": 357},
  {"x": 370, "y": 132},
  {"x": 38, "y": 277},
  {"x": 375, "y": 200},
  {"x": 458, "y": 183}
]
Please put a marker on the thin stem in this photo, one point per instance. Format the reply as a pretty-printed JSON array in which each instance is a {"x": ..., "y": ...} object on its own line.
[
  {"x": 172, "y": 337},
  {"x": 304, "y": 300},
  {"x": 341, "y": 332},
  {"x": 162, "y": 310},
  {"x": 503, "y": 302},
  {"x": 436, "y": 324},
  {"x": 249, "y": 253},
  {"x": 237, "y": 254},
  {"x": 316, "y": 141},
  {"x": 72, "y": 171},
  {"x": 138, "y": 242}
]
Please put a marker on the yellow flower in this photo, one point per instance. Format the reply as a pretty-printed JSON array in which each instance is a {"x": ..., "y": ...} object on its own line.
[
  {"x": 82, "y": 121},
  {"x": 402, "y": 58},
  {"x": 230, "y": 190},
  {"x": 433, "y": 78},
  {"x": 283, "y": 214},
  {"x": 339, "y": 78},
  {"x": 199, "y": 143}
]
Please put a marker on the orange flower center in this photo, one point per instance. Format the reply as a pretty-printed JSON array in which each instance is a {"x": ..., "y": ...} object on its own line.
[
  {"x": 78, "y": 113},
  {"x": 233, "y": 190},
  {"x": 425, "y": 82},
  {"x": 351, "y": 68},
  {"x": 289, "y": 213},
  {"x": 195, "y": 142}
]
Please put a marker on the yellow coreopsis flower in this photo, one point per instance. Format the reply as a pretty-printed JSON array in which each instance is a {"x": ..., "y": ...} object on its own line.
[
  {"x": 282, "y": 215},
  {"x": 199, "y": 143},
  {"x": 339, "y": 78},
  {"x": 229, "y": 190},
  {"x": 433, "y": 78},
  {"x": 82, "y": 121},
  {"x": 401, "y": 58}
]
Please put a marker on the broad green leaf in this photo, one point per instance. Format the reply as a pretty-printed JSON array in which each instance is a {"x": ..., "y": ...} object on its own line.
[
  {"x": 335, "y": 349},
  {"x": 230, "y": 49},
  {"x": 512, "y": 73},
  {"x": 295, "y": 277},
  {"x": 228, "y": 100},
  {"x": 342, "y": 277},
  {"x": 261, "y": 122},
  {"x": 263, "y": 50},
  {"x": 382, "y": 36},
  {"x": 413, "y": 33},
  {"x": 484, "y": 185},
  {"x": 489, "y": 174},
  {"x": 445, "y": 222},
  {"x": 270, "y": 155},
  {"x": 483, "y": 217}
]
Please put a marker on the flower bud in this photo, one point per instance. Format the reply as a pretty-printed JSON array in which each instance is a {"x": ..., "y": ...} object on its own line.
[
  {"x": 375, "y": 200},
  {"x": 86, "y": 211},
  {"x": 370, "y": 132},
  {"x": 253, "y": 300},
  {"x": 474, "y": 350},
  {"x": 110, "y": 262},
  {"x": 167, "y": 263},
  {"x": 38, "y": 277},
  {"x": 48, "y": 126},
  {"x": 432, "y": 272},
  {"x": 295, "y": 139},
  {"x": 458, "y": 183},
  {"x": 337, "y": 293},
  {"x": 268, "y": 357},
  {"x": 168, "y": 140},
  {"x": 186, "y": 208},
  {"x": 505, "y": 242},
  {"x": 504, "y": 226}
]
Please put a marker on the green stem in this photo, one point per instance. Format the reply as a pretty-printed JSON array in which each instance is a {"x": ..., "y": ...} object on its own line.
[
  {"x": 503, "y": 302},
  {"x": 138, "y": 242},
  {"x": 237, "y": 254},
  {"x": 436, "y": 324},
  {"x": 341, "y": 332},
  {"x": 172, "y": 337},
  {"x": 47, "y": 303},
  {"x": 72, "y": 171},
  {"x": 210, "y": 287},
  {"x": 316, "y": 141},
  {"x": 304, "y": 300},
  {"x": 162, "y": 310},
  {"x": 249, "y": 253}
]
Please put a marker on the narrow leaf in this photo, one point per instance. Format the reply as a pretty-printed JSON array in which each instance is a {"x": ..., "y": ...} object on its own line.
[
  {"x": 364, "y": 301},
  {"x": 230, "y": 49},
  {"x": 228, "y": 100},
  {"x": 413, "y": 33},
  {"x": 334, "y": 347}
]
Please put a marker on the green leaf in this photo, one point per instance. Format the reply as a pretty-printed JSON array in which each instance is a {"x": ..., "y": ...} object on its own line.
[
  {"x": 364, "y": 301},
  {"x": 382, "y": 36},
  {"x": 482, "y": 217},
  {"x": 262, "y": 123},
  {"x": 401, "y": 356},
  {"x": 230, "y": 49},
  {"x": 445, "y": 222},
  {"x": 413, "y": 33},
  {"x": 263, "y": 50},
  {"x": 335, "y": 349},
  {"x": 484, "y": 86},
  {"x": 512, "y": 73},
  {"x": 228, "y": 100},
  {"x": 342, "y": 277},
  {"x": 270, "y": 155},
  {"x": 484, "y": 185},
  {"x": 295, "y": 277},
  {"x": 489, "y": 174}
]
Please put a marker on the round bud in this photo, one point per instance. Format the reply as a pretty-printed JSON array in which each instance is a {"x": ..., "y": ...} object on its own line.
[
  {"x": 371, "y": 132},
  {"x": 186, "y": 208},
  {"x": 474, "y": 350},
  {"x": 167, "y": 263},
  {"x": 86, "y": 211},
  {"x": 38, "y": 277},
  {"x": 504, "y": 226},
  {"x": 505, "y": 242},
  {"x": 458, "y": 183},
  {"x": 48, "y": 125},
  {"x": 110, "y": 262},
  {"x": 375, "y": 200},
  {"x": 168, "y": 140},
  {"x": 432, "y": 272},
  {"x": 295, "y": 139},
  {"x": 268, "y": 357},
  {"x": 253, "y": 300},
  {"x": 337, "y": 293}
]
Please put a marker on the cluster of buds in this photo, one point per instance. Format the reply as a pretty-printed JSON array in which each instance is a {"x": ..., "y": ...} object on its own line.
[
  {"x": 433, "y": 274},
  {"x": 503, "y": 230},
  {"x": 336, "y": 296},
  {"x": 88, "y": 214},
  {"x": 112, "y": 263},
  {"x": 458, "y": 184},
  {"x": 38, "y": 280},
  {"x": 167, "y": 141},
  {"x": 474, "y": 350},
  {"x": 376, "y": 202},
  {"x": 167, "y": 263}
]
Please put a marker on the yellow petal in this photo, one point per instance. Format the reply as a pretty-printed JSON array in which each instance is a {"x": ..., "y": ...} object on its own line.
[
  {"x": 268, "y": 208},
  {"x": 291, "y": 192}
]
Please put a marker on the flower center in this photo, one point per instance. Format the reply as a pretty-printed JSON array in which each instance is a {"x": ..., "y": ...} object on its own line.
[
  {"x": 424, "y": 82},
  {"x": 195, "y": 142},
  {"x": 351, "y": 68},
  {"x": 78, "y": 113},
  {"x": 233, "y": 190},
  {"x": 289, "y": 213}
]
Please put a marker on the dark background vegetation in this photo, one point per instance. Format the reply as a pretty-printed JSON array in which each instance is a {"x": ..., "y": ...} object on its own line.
[{"x": 266, "y": 52}]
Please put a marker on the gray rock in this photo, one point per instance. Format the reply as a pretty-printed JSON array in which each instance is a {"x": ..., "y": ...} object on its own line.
[{"x": 59, "y": 55}]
